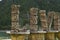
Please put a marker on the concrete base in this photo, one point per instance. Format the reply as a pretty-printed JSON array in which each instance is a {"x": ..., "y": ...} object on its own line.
[
  {"x": 27, "y": 32},
  {"x": 39, "y": 32}
]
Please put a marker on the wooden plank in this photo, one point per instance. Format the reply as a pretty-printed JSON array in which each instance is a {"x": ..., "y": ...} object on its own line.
[
  {"x": 37, "y": 36},
  {"x": 21, "y": 37},
  {"x": 50, "y": 36},
  {"x": 13, "y": 37},
  {"x": 58, "y": 35},
  {"x": 18, "y": 37},
  {"x": 41, "y": 36}
]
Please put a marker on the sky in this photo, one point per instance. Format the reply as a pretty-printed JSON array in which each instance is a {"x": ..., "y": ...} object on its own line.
[{"x": 0, "y": 0}]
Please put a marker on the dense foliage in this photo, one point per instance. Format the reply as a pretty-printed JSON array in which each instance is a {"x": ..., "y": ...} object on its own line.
[{"x": 5, "y": 10}]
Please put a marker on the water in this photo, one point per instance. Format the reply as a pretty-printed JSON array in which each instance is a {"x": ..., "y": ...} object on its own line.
[{"x": 3, "y": 35}]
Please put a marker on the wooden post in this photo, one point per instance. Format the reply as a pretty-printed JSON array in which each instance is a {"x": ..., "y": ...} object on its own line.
[
  {"x": 19, "y": 36},
  {"x": 50, "y": 36},
  {"x": 58, "y": 35},
  {"x": 37, "y": 35},
  {"x": 13, "y": 37}
]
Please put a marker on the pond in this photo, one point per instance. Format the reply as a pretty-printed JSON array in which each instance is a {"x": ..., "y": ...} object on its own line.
[{"x": 4, "y": 35}]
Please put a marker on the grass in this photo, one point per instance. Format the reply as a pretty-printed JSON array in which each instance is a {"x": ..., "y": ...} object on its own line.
[
  {"x": 0, "y": 38},
  {"x": 3, "y": 38}
]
